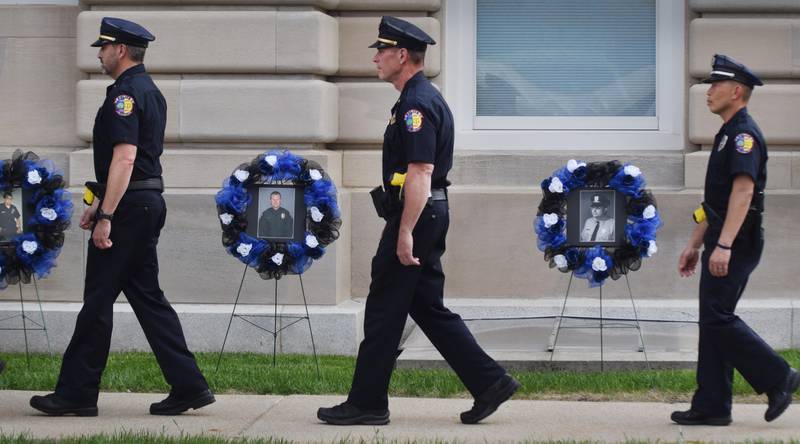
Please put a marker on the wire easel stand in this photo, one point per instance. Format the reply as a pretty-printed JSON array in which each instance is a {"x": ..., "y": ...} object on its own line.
[
  {"x": 40, "y": 325},
  {"x": 275, "y": 330},
  {"x": 616, "y": 323}
]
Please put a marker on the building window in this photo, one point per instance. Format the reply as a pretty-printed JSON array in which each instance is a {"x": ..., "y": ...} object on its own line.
[{"x": 572, "y": 66}]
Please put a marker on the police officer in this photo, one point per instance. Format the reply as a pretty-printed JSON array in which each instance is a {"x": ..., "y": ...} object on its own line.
[
  {"x": 730, "y": 231},
  {"x": 126, "y": 222},
  {"x": 598, "y": 227},
  {"x": 275, "y": 221},
  {"x": 10, "y": 217},
  {"x": 407, "y": 275}
]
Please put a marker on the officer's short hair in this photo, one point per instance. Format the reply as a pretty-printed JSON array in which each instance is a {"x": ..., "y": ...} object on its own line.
[
  {"x": 416, "y": 57},
  {"x": 7, "y": 194},
  {"x": 136, "y": 53},
  {"x": 274, "y": 193},
  {"x": 746, "y": 92}
]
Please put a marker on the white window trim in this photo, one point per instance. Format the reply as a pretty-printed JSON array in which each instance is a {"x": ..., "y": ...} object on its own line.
[{"x": 663, "y": 132}]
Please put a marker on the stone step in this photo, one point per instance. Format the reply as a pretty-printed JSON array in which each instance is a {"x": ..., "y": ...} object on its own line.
[{"x": 783, "y": 170}]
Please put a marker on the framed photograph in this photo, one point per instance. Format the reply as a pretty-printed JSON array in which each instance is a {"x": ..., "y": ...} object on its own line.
[
  {"x": 596, "y": 216},
  {"x": 15, "y": 209},
  {"x": 277, "y": 212}
]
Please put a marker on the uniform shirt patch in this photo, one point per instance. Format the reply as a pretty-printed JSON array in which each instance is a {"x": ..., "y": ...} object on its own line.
[
  {"x": 413, "y": 119},
  {"x": 123, "y": 105},
  {"x": 744, "y": 143}
]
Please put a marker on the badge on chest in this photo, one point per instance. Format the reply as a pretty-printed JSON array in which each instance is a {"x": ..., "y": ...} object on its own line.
[{"x": 722, "y": 142}]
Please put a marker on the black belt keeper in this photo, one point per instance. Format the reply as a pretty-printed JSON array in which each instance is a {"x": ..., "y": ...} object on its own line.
[{"x": 153, "y": 183}]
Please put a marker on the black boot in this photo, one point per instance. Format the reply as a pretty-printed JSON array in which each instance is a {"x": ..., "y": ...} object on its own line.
[
  {"x": 693, "y": 417},
  {"x": 780, "y": 397},
  {"x": 55, "y": 405},
  {"x": 490, "y": 400},
  {"x": 348, "y": 414},
  {"x": 175, "y": 405}
]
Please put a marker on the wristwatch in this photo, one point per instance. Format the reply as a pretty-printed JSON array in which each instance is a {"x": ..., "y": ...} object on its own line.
[{"x": 101, "y": 215}]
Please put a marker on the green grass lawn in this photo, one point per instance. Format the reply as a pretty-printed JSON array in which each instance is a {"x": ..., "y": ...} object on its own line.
[{"x": 296, "y": 374}]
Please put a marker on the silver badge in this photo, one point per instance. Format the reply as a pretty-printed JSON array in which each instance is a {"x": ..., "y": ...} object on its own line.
[{"x": 722, "y": 142}]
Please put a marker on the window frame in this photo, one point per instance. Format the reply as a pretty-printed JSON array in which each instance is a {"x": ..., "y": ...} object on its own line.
[{"x": 665, "y": 131}]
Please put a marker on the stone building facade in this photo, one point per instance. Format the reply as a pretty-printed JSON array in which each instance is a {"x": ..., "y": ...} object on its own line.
[{"x": 244, "y": 76}]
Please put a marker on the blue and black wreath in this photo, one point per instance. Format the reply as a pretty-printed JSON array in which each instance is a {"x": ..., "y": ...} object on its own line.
[
  {"x": 273, "y": 259},
  {"x": 34, "y": 252},
  {"x": 597, "y": 263}
]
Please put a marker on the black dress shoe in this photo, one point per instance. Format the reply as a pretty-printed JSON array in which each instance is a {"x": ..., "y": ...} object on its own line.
[
  {"x": 174, "y": 405},
  {"x": 348, "y": 414},
  {"x": 693, "y": 417},
  {"x": 490, "y": 400},
  {"x": 55, "y": 405},
  {"x": 780, "y": 397}
]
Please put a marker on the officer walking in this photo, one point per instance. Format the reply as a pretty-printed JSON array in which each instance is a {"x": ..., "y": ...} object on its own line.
[
  {"x": 407, "y": 275},
  {"x": 125, "y": 220},
  {"x": 729, "y": 229}
]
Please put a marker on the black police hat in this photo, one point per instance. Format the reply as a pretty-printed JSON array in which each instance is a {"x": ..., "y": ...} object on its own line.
[
  {"x": 396, "y": 33},
  {"x": 598, "y": 200},
  {"x": 725, "y": 68},
  {"x": 117, "y": 30}
]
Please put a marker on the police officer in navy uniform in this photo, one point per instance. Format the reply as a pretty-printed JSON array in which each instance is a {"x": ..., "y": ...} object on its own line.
[
  {"x": 733, "y": 240},
  {"x": 126, "y": 222},
  {"x": 275, "y": 221},
  {"x": 407, "y": 275}
]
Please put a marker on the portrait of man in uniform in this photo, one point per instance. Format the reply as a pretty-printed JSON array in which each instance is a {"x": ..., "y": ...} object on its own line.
[
  {"x": 597, "y": 212},
  {"x": 275, "y": 213},
  {"x": 10, "y": 214}
]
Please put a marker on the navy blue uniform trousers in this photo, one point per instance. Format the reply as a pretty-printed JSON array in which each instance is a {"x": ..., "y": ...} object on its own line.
[
  {"x": 397, "y": 291},
  {"x": 726, "y": 342},
  {"x": 129, "y": 266}
]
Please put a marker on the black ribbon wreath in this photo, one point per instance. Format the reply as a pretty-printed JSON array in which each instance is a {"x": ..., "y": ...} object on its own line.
[
  {"x": 34, "y": 252},
  {"x": 597, "y": 263},
  {"x": 273, "y": 259}
]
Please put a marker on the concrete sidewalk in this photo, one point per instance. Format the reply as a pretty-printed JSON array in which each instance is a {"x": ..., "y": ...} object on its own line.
[{"x": 294, "y": 418}]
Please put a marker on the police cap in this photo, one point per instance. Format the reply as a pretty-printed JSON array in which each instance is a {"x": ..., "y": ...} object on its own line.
[
  {"x": 725, "y": 68},
  {"x": 396, "y": 33},
  {"x": 600, "y": 201},
  {"x": 117, "y": 30}
]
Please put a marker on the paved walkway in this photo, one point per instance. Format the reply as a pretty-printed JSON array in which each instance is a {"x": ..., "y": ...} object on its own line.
[{"x": 294, "y": 418}]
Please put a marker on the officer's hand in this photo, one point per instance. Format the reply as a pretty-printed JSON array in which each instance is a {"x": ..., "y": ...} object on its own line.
[
  {"x": 405, "y": 248},
  {"x": 688, "y": 261},
  {"x": 87, "y": 219},
  {"x": 718, "y": 262},
  {"x": 101, "y": 233}
]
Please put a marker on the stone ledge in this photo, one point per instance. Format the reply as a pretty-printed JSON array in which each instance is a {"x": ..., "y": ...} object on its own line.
[
  {"x": 38, "y": 21},
  {"x": 234, "y": 111},
  {"x": 492, "y": 251},
  {"x": 203, "y": 168},
  {"x": 337, "y": 329},
  {"x": 662, "y": 169},
  {"x": 781, "y": 166},
  {"x": 745, "y": 39},
  {"x": 774, "y": 107},
  {"x": 784, "y": 6},
  {"x": 211, "y": 41}
]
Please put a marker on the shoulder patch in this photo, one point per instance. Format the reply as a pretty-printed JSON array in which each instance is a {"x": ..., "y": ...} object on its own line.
[
  {"x": 123, "y": 105},
  {"x": 413, "y": 119},
  {"x": 744, "y": 143}
]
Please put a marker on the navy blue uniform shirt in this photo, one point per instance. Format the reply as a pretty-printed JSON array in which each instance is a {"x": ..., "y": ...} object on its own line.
[
  {"x": 739, "y": 148},
  {"x": 134, "y": 112},
  {"x": 420, "y": 130}
]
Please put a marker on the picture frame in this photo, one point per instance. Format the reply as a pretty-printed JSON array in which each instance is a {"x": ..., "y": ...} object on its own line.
[
  {"x": 596, "y": 216},
  {"x": 277, "y": 212},
  {"x": 16, "y": 209}
]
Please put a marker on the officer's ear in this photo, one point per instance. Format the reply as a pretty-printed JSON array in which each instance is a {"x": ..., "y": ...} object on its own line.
[{"x": 403, "y": 55}]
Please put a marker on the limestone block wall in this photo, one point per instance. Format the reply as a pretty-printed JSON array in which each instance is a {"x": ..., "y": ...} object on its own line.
[{"x": 765, "y": 35}]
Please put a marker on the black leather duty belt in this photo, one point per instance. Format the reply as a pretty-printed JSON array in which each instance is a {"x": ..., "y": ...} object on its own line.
[
  {"x": 438, "y": 194},
  {"x": 153, "y": 183}
]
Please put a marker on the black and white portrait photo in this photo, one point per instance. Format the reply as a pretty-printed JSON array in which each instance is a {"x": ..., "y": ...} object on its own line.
[
  {"x": 597, "y": 215},
  {"x": 276, "y": 213},
  {"x": 11, "y": 214}
]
